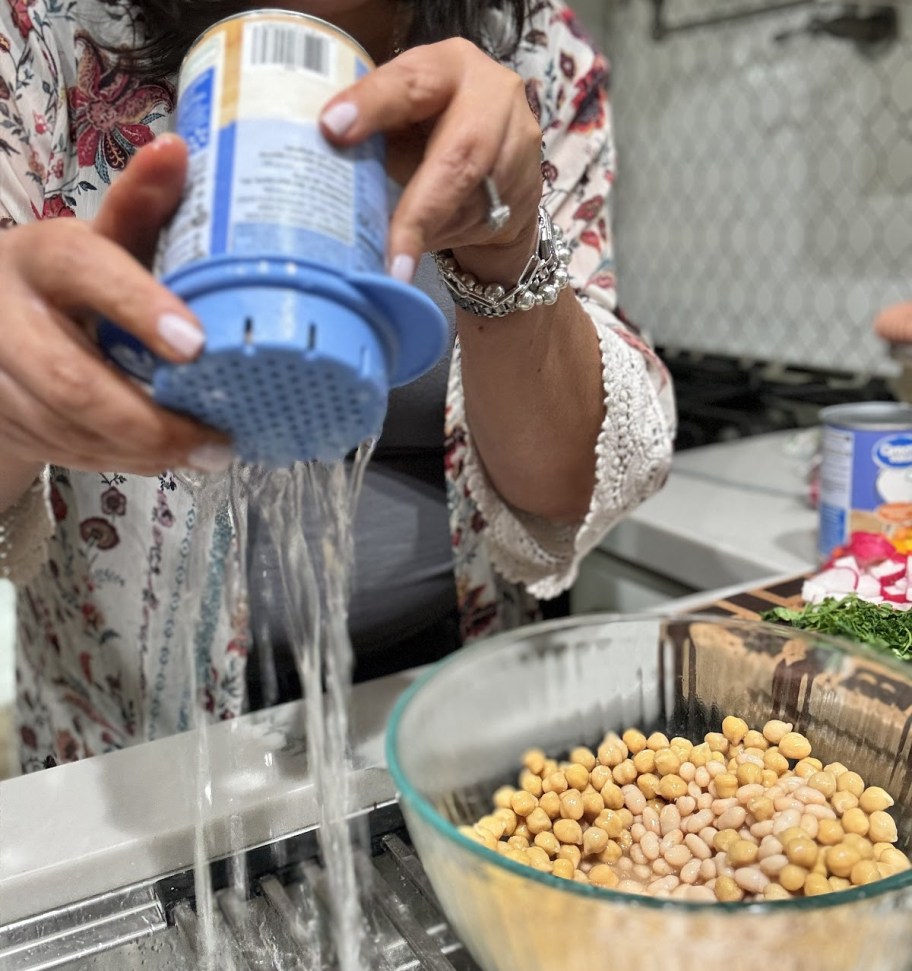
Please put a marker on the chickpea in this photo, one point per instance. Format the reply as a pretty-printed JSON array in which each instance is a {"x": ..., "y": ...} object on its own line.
[
  {"x": 775, "y": 760},
  {"x": 563, "y": 869},
  {"x": 874, "y": 799},
  {"x": 742, "y": 853},
  {"x": 823, "y": 782},
  {"x": 716, "y": 741},
  {"x": 648, "y": 784},
  {"x": 850, "y": 782},
  {"x": 593, "y": 804},
  {"x": 577, "y": 776},
  {"x": 612, "y": 795},
  {"x": 538, "y": 821},
  {"x": 548, "y": 842},
  {"x": 672, "y": 787},
  {"x": 726, "y": 785},
  {"x": 725, "y": 839},
  {"x": 792, "y": 877},
  {"x": 483, "y": 835},
  {"x": 556, "y": 782},
  {"x": 840, "y": 859},
  {"x": 531, "y": 783},
  {"x": 584, "y": 757},
  {"x": 794, "y": 746},
  {"x": 727, "y": 891},
  {"x": 882, "y": 827},
  {"x": 523, "y": 802},
  {"x": 656, "y": 741},
  {"x": 534, "y": 760},
  {"x": 571, "y": 805},
  {"x": 595, "y": 841},
  {"x": 611, "y": 755},
  {"x": 634, "y": 740},
  {"x": 774, "y": 730},
  {"x": 645, "y": 761},
  {"x": 602, "y": 875},
  {"x": 808, "y": 767},
  {"x": 538, "y": 858},
  {"x": 734, "y": 729},
  {"x": 572, "y": 853},
  {"x": 625, "y": 773},
  {"x": 599, "y": 776},
  {"x": 510, "y": 819},
  {"x": 761, "y": 808},
  {"x": 755, "y": 739},
  {"x": 503, "y": 796},
  {"x": 863, "y": 847},
  {"x": 802, "y": 852},
  {"x": 682, "y": 747},
  {"x": 699, "y": 754},
  {"x": 843, "y": 800},
  {"x": 856, "y": 821},
  {"x": 611, "y": 854},
  {"x": 518, "y": 842},
  {"x": 749, "y": 774},
  {"x": 568, "y": 831},
  {"x": 551, "y": 803},
  {"x": 816, "y": 884},
  {"x": 667, "y": 762}
]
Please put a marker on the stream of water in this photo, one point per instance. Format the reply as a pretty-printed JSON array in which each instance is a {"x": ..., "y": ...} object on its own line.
[{"x": 308, "y": 511}]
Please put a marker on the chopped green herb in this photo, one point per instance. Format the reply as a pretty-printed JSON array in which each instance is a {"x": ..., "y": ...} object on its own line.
[{"x": 880, "y": 626}]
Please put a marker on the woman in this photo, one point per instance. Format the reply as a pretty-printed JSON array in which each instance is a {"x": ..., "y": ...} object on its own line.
[{"x": 558, "y": 419}]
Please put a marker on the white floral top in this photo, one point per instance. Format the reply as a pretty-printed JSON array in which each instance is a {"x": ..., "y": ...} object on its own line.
[{"x": 102, "y": 563}]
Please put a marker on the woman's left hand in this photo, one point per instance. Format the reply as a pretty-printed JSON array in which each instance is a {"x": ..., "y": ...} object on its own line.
[{"x": 452, "y": 117}]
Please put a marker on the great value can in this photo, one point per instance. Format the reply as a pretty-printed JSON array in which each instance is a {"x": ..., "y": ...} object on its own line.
[
  {"x": 865, "y": 473},
  {"x": 279, "y": 247}
]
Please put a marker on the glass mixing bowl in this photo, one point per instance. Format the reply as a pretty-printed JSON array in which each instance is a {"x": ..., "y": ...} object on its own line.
[{"x": 460, "y": 731}]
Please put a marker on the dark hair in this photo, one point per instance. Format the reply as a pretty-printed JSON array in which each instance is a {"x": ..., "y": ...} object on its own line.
[{"x": 171, "y": 26}]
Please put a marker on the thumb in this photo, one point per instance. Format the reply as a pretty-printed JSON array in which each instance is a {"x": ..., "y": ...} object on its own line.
[{"x": 142, "y": 200}]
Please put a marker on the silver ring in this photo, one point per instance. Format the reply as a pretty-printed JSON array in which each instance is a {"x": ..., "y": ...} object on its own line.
[{"x": 498, "y": 211}]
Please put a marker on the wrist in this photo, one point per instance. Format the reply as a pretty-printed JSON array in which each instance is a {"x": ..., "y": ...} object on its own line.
[
  {"x": 500, "y": 262},
  {"x": 538, "y": 281}
]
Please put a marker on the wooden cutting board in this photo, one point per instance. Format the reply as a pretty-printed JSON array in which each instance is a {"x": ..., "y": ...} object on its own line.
[{"x": 751, "y": 603}]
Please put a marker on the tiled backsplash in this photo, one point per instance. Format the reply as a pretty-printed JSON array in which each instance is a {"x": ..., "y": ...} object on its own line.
[{"x": 764, "y": 200}]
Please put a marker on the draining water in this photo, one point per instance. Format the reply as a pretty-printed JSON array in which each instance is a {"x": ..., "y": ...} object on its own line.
[{"x": 308, "y": 511}]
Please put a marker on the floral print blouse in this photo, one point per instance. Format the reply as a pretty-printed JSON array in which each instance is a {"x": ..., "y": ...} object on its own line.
[{"x": 102, "y": 561}]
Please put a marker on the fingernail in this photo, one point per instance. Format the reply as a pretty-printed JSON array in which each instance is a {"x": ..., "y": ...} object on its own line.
[
  {"x": 186, "y": 338},
  {"x": 211, "y": 458},
  {"x": 402, "y": 268},
  {"x": 340, "y": 117}
]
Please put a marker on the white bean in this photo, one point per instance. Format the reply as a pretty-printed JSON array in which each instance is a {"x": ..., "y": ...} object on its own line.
[
  {"x": 751, "y": 879},
  {"x": 697, "y": 846}
]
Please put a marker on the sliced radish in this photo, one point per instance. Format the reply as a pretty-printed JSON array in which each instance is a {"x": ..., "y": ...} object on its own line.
[
  {"x": 838, "y": 579},
  {"x": 847, "y": 561},
  {"x": 888, "y": 571},
  {"x": 869, "y": 586}
]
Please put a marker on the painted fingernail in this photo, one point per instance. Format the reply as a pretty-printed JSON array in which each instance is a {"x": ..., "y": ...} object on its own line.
[
  {"x": 180, "y": 334},
  {"x": 340, "y": 117},
  {"x": 402, "y": 267},
  {"x": 211, "y": 458}
]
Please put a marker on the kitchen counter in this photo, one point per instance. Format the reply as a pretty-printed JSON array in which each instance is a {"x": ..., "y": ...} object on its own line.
[{"x": 730, "y": 513}]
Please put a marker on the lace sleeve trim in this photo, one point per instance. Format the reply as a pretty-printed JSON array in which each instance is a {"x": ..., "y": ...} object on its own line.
[
  {"x": 633, "y": 455},
  {"x": 25, "y": 529}
]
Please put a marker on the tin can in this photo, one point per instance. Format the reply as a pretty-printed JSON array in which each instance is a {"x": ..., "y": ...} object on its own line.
[
  {"x": 278, "y": 246},
  {"x": 865, "y": 473}
]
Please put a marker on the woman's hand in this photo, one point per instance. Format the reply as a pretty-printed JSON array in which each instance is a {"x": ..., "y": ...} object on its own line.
[
  {"x": 60, "y": 401},
  {"x": 452, "y": 116},
  {"x": 894, "y": 324}
]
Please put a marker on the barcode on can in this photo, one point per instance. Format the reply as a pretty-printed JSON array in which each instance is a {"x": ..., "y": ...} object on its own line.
[{"x": 291, "y": 47}]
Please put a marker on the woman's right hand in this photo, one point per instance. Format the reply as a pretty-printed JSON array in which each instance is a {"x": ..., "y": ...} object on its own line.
[
  {"x": 60, "y": 400},
  {"x": 894, "y": 324}
]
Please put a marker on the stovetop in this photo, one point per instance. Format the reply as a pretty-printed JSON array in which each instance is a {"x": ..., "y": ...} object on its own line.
[{"x": 722, "y": 398}]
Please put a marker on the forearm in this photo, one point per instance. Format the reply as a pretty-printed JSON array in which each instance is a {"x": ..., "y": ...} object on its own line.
[{"x": 534, "y": 404}]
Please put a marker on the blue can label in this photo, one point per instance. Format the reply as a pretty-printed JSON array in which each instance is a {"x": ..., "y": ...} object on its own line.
[
  {"x": 866, "y": 483},
  {"x": 263, "y": 181}
]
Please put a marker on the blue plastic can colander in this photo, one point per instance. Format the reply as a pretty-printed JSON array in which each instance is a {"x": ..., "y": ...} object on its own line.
[{"x": 278, "y": 248}]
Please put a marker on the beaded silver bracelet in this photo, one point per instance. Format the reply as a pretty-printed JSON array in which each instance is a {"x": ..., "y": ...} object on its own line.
[{"x": 540, "y": 282}]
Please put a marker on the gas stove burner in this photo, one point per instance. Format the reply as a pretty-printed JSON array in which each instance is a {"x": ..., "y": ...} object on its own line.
[
  {"x": 723, "y": 398},
  {"x": 278, "y": 922}
]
